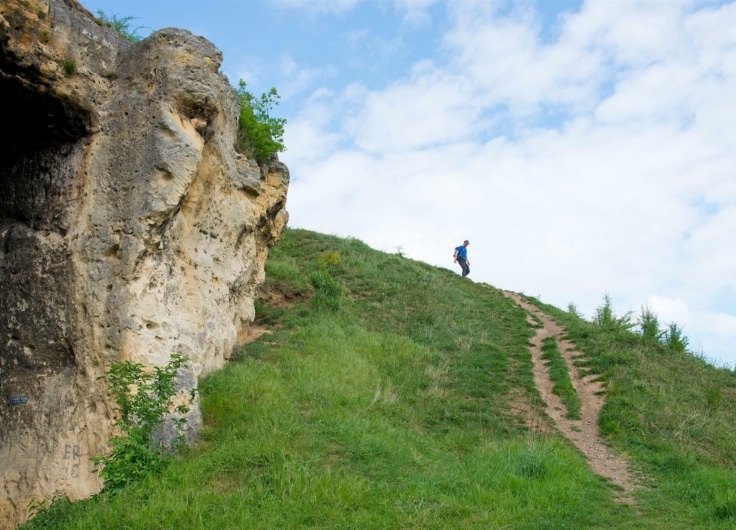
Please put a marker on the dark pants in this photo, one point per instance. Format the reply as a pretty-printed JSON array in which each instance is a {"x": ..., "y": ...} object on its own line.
[{"x": 464, "y": 265}]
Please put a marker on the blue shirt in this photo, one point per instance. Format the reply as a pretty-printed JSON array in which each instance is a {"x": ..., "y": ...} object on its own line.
[{"x": 462, "y": 252}]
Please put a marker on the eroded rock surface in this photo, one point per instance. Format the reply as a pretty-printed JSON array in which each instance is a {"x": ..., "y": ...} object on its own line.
[{"x": 130, "y": 228}]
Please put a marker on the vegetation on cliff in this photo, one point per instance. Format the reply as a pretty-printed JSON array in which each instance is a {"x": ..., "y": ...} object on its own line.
[
  {"x": 260, "y": 135},
  {"x": 391, "y": 394},
  {"x": 122, "y": 25}
]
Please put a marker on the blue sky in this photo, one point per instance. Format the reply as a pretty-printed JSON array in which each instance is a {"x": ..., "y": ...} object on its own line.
[{"x": 583, "y": 147}]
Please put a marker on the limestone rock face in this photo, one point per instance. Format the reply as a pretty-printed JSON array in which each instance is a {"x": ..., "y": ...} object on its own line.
[{"x": 130, "y": 229}]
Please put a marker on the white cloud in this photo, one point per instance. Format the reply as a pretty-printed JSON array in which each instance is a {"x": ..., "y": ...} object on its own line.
[
  {"x": 249, "y": 74},
  {"x": 298, "y": 79},
  {"x": 712, "y": 258},
  {"x": 431, "y": 109},
  {"x": 506, "y": 59},
  {"x": 720, "y": 324},
  {"x": 670, "y": 310}
]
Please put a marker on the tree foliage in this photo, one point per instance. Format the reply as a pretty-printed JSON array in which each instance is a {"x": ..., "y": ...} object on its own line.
[
  {"x": 675, "y": 338},
  {"x": 647, "y": 322},
  {"x": 260, "y": 135},
  {"x": 649, "y": 325},
  {"x": 607, "y": 318}
]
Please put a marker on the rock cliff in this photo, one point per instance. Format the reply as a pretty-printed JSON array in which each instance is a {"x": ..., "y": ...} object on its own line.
[{"x": 130, "y": 229}]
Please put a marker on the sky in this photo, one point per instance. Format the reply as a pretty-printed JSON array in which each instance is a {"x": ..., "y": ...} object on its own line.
[{"x": 584, "y": 148}]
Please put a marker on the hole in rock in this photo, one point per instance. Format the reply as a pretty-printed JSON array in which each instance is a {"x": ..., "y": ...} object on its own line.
[
  {"x": 41, "y": 150},
  {"x": 39, "y": 143}
]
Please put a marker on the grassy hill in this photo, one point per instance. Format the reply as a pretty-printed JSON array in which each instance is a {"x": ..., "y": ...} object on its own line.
[{"x": 392, "y": 394}]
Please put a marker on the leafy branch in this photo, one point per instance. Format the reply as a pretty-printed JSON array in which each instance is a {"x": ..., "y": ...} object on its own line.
[
  {"x": 260, "y": 135},
  {"x": 144, "y": 402}
]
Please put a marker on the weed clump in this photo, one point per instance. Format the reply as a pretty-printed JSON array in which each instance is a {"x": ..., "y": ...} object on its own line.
[
  {"x": 144, "y": 401},
  {"x": 120, "y": 24},
  {"x": 69, "y": 66},
  {"x": 531, "y": 463}
]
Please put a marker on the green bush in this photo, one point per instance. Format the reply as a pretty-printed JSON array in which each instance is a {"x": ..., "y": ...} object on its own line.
[
  {"x": 649, "y": 325},
  {"x": 329, "y": 290},
  {"x": 260, "y": 136},
  {"x": 607, "y": 319},
  {"x": 143, "y": 403},
  {"x": 328, "y": 259},
  {"x": 675, "y": 339}
]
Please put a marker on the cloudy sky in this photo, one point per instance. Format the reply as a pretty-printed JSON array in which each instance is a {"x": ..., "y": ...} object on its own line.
[{"x": 583, "y": 147}]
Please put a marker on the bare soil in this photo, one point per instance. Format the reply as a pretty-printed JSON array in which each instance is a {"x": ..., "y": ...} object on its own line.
[
  {"x": 582, "y": 433},
  {"x": 281, "y": 296},
  {"x": 255, "y": 331}
]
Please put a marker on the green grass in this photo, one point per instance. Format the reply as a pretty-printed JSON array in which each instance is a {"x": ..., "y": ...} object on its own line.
[
  {"x": 69, "y": 66},
  {"x": 393, "y": 410},
  {"x": 562, "y": 384}
]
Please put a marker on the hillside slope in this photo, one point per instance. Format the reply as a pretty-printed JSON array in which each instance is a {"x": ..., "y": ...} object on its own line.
[{"x": 382, "y": 392}]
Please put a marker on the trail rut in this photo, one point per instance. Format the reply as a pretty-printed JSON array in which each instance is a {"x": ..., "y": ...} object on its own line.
[{"x": 582, "y": 433}]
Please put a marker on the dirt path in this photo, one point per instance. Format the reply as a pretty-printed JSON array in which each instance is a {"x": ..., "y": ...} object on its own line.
[{"x": 584, "y": 432}]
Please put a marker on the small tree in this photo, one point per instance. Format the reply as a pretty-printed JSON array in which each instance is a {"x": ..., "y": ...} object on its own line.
[
  {"x": 604, "y": 313},
  {"x": 606, "y": 318},
  {"x": 649, "y": 325},
  {"x": 260, "y": 136},
  {"x": 143, "y": 403},
  {"x": 675, "y": 339}
]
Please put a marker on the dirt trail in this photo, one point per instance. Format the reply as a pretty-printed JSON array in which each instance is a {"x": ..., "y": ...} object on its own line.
[{"x": 584, "y": 432}]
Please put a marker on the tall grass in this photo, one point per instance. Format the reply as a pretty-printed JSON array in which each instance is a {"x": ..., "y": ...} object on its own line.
[{"x": 394, "y": 411}]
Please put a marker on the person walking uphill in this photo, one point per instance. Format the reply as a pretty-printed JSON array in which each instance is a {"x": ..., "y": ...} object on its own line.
[{"x": 461, "y": 257}]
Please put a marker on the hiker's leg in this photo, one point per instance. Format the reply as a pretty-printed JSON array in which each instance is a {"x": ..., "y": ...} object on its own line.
[{"x": 464, "y": 266}]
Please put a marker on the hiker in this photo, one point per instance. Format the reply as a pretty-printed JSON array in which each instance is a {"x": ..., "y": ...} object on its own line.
[{"x": 461, "y": 256}]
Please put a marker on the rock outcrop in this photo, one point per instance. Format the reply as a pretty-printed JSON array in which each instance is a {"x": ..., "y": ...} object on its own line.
[{"x": 130, "y": 229}]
